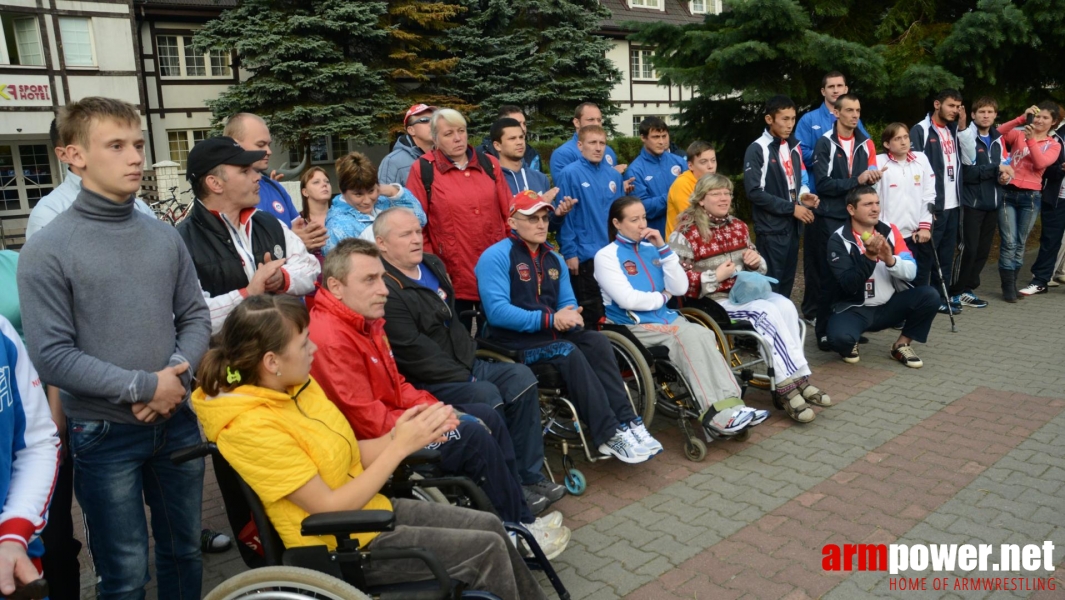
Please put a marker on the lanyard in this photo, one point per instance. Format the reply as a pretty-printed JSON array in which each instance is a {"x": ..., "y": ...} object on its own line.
[
  {"x": 947, "y": 143},
  {"x": 247, "y": 254}
]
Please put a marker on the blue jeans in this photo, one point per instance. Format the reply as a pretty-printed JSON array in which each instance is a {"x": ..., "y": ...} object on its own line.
[
  {"x": 1015, "y": 222},
  {"x": 117, "y": 469},
  {"x": 511, "y": 390},
  {"x": 1053, "y": 215}
]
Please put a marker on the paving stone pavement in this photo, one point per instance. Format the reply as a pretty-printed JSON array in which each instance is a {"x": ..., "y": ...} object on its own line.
[{"x": 967, "y": 450}]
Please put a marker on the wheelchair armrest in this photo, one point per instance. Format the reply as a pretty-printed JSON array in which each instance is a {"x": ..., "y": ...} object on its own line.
[
  {"x": 478, "y": 499},
  {"x": 346, "y": 522},
  {"x": 184, "y": 455},
  {"x": 483, "y": 344},
  {"x": 424, "y": 456}
]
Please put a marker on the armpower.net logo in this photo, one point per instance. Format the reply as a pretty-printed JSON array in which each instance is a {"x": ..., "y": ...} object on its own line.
[{"x": 979, "y": 559}]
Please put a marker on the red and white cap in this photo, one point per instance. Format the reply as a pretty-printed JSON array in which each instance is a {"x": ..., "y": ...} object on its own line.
[
  {"x": 528, "y": 203},
  {"x": 417, "y": 109}
]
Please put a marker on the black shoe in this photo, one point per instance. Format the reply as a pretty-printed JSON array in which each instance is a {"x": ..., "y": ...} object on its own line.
[
  {"x": 862, "y": 339},
  {"x": 552, "y": 491},
  {"x": 823, "y": 345},
  {"x": 537, "y": 503}
]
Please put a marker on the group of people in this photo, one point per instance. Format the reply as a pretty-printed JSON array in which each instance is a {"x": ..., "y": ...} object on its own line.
[{"x": 322, "y": 344}]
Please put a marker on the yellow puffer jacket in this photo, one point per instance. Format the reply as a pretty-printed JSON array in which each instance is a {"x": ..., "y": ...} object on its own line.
[{"x": 277, "y": 444}]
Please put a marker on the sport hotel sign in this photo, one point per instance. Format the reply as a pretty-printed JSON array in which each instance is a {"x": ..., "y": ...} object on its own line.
[{"x": 25, "y": 90}]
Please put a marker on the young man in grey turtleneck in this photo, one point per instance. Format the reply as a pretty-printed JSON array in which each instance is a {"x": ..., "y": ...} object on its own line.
[{"x": 114, "y": 317}]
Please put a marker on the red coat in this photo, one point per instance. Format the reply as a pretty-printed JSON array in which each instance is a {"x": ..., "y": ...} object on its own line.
[
  {"x": 468, "y": 213},
  {"x": 355, "y": 367}
]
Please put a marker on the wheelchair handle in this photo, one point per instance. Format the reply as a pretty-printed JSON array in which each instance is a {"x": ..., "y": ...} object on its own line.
[
  {"x": 34, "y": 590},
  {"x": 437, "y": 569},
  {"x": 184, "y": 455}
]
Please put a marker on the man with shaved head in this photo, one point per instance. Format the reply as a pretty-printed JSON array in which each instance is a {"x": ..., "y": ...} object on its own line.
[{"x": 252, "y": 133}]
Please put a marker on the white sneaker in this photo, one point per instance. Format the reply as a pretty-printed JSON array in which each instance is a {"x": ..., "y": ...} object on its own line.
[
  {"x": 551, "y": 541},
  {"x": 552, "y": 520},
  {"x": 643, "y": 437},
  {"x": 640, "y": 448},
  {"x": 619, "y": 446}
]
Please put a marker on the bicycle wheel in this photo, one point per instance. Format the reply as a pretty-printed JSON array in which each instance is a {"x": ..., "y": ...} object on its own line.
[{"x": 284, "y": 583}]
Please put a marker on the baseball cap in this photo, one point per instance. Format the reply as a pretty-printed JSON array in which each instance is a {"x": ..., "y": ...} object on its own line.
[
  {"x": 528, "y": 203},
  {"x": 417, "y": 109},
  {"x": 215, "y": 151}
]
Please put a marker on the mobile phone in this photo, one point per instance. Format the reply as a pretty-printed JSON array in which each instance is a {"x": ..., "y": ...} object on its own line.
[{"x": 1028, "y": 120}]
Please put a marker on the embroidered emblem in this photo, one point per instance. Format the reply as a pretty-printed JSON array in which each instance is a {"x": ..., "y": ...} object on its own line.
[
  {"x": 524, "y": 272},
  {"x": 278, "y": 207},
  {"x": 656, "y": 262},
  {"x": 613, "y": 187},
  {"x": 609, "y": 159},
  {"x": 917, "y": 179},
  {"x": 278, "y": 252},
  {"x": 585, "y": 184},
  {"x": 675, "y": 170},
  {"x": 630, "y": 267},
  {"x": 649, "y": 178},
  {"x": 553, "y": 274}
]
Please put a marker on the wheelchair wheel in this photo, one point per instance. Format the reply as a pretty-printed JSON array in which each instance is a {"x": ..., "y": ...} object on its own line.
[
  {"x": 695, "y": 449},
  {"x": 636, "y": 374},
  {"x": 743, "y": 436},
  {"x": 284, "y": 583},
  {"x": 700, "y": 317},
  {"x": 576, "y": 484}
]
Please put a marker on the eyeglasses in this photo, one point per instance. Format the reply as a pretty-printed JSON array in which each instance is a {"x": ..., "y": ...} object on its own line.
[
  {"x": 543, "y": 219},
  {"x": 420, "y": 121}
]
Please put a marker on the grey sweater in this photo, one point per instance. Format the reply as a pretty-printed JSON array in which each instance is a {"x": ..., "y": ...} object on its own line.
[{"x": 109, "y": 296}]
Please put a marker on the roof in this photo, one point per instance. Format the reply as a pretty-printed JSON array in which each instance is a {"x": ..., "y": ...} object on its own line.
[{"x": 677, "y": 12}]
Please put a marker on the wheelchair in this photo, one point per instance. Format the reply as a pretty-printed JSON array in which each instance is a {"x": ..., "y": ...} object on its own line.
[
  {"x": 749, "y": 353},
  {"x": 560, "y": 421},
  {"x": 658, "y": 385},
  {"x": 315, "y": 572}
]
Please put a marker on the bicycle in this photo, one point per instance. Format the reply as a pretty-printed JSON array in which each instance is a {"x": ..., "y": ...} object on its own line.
[{"x": 171, "y": 210}]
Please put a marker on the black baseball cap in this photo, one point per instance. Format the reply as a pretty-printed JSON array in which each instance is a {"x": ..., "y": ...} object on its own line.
[{"x": 215, "y": 151}]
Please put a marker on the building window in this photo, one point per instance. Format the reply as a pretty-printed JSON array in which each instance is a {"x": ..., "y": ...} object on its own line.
[
  {"x": 324, "y": 149},
  {"x": 20, "y": 41},
  {"x": 76, "y": 34},
  {"x": 27, "y": 174},
  {"x": 178, "y": 58},
  {"x": 646, "y": 4},
  {"x": 181, "y": 141},
  {"x": 641, "y": 65},
  {"x": 698, "y": 7}
]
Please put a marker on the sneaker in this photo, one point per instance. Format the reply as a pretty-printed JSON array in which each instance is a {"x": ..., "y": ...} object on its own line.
[
  {"x": 969, "y": 299},
  {"x": 905, "y": 355},
  {"x": 552, "y": 491},
  {"x": 537, "y": 503},
  {"x": 637, "y": 444},
  {"x": 757, "y": 415},
  {"x": 1032, "y": 289},
  {"x": 862, "y": 339},
  {"x": 552, "y": 541},
  {"x": 853, "y": 357},
  {"x": 552, "y": 520},
  {"x": 955, "y": 308},
  {"x": 1054, "y": 282},
  {"x": 620, "y": 447},
  {"x": 639, "y": 431},
  {"x": 900, "y": 325},
  {"x": 823, "y": 345},
  {"x": 731, "y": 420},
  {"x": 213, "y": 542}
]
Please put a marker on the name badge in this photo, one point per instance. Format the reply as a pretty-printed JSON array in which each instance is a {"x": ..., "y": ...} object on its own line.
[
  {"x": 794, "y": 196},
  {"x": 950, "y": 173},
  {"x": 870, "y": 288}
]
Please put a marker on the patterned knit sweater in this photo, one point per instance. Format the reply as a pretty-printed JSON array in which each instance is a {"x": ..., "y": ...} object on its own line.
[{"x": 701, "y": 257}]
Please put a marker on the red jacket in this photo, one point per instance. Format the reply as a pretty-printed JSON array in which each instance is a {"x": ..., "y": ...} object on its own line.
[
  {"x": 1030, "y": 157},
  {"x": 355, "y": 367},
  {"x": 468, "y": 213}
]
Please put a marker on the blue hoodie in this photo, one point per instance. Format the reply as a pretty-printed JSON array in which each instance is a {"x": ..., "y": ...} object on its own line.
[
  {"x": 568, "y": 153},
  {"x": 595, "y": 186},
  {"x": 345, "y": 221},
  {"x": 525, "y": 179},
  {"x": 654, "y": 176}
]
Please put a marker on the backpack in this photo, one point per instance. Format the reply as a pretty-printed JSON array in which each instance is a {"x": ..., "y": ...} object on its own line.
[{"x": 428, "y": 171}]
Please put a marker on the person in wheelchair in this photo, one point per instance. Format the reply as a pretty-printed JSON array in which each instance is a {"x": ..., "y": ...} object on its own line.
[
  {"x": 714, "y": 246},
  {"x": 639, "y": 274},
  {"x": 526, "y": 294},
  {"x": 356, "y": 368},
  {"x": 435, "y": 352},
  {"x": 275, "y": 426}
]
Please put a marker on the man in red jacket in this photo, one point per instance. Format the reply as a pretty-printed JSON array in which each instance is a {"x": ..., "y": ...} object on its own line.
[
  {"x": 466, "y": 200},
  {"x": 356, "y": 369}
]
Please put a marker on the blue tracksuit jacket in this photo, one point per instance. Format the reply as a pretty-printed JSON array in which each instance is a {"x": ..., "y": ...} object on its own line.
[
  {"x": 595, "y": 186},
  {"x": 634, "y": 277},
  {"x": 568, "y": 153}
]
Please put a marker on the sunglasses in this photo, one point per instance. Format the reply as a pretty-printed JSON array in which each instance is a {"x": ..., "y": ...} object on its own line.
[{"x": 419, "y": 121}]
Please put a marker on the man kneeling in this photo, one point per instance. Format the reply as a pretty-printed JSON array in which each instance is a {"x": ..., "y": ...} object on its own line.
[{"x": 873, "y": 266}]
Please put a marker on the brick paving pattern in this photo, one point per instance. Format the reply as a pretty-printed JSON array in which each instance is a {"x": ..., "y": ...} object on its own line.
[{"x": 967, "y": 450}]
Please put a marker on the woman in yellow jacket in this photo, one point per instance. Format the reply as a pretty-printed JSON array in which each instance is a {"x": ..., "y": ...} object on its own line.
[{"x": 275, "y": 426}]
